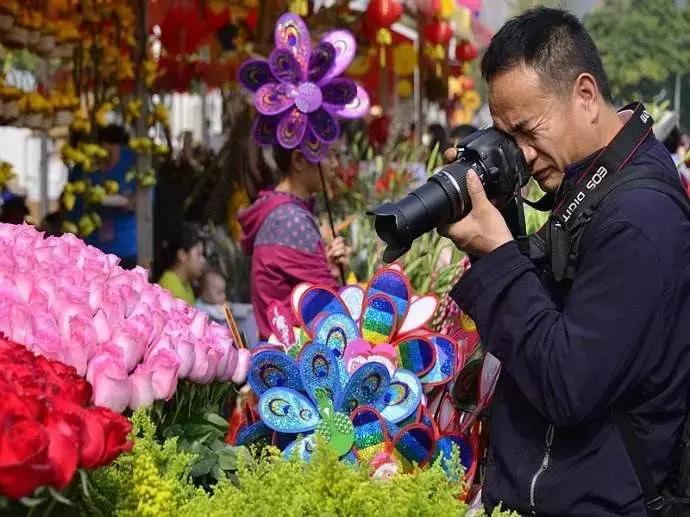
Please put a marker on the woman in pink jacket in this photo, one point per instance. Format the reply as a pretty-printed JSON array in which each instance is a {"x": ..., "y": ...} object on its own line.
[{"x": 282, "y": 235}]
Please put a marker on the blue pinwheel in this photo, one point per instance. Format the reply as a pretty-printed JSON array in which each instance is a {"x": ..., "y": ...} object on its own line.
[{"x": 312, "y": 395}]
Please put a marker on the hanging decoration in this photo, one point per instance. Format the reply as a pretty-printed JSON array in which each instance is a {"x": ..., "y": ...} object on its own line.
[
  {"x": 381, "y": 14},
  {"x": 465, "y": 51},
  {"x": 437, "y": 34}
]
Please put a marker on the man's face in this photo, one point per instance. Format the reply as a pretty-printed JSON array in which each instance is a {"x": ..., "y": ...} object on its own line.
[{"x": 545, "y": 124}]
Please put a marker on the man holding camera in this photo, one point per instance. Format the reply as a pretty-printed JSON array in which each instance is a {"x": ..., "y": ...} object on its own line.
[{"x": 588, "y": 412}]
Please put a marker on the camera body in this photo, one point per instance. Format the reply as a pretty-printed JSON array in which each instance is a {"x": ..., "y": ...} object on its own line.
[{"x": 492, "y": 154}]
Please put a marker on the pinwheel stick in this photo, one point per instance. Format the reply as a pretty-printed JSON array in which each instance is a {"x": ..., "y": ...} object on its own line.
[{"x": 330, "y": 217}]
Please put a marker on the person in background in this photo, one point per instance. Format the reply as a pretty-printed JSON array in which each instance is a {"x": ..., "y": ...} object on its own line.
[
  {"x": 437, "y": 137},
  {"x": 678, "y": 149},
  {"x": 213, "y": 299},
  {"x": 14, "y": 210},
  {"x": 118, "y": 234},
  {"x": 180, "y": 263},
  {"x": 282, "y": 235},
  {"x": 459, "y": 133},
  {"x": 52, "y": 224},
  {"x": 212, "y": 295}
]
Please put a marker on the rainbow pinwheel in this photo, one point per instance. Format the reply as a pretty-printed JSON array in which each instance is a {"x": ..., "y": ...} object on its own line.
[
  {"x": 355, "y": 372},
  {"x": 298, "y": 92}
]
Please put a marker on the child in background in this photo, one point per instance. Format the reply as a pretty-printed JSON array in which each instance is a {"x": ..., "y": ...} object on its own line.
[
  {"x": 213, "y": 298},
  {"x": 212, "y": 295}
]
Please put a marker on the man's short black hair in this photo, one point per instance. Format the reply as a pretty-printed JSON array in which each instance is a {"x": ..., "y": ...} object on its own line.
[{"x": 551, "y": 41}]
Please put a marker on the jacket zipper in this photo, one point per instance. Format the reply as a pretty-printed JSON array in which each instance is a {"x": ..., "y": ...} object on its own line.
[{"x": 542, "y": 468}]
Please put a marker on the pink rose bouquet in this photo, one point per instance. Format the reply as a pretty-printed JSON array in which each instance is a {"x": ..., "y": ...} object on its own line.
[{"x": 129, "y": 338}]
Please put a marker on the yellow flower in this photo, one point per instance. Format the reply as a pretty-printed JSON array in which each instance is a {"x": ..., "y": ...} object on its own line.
[
  {"x": 471, "y": 100},
  {"x": 133, "y": 110},
  {"x": 404, "y": 59},
  {"x": 93, "y": 150},
  {"x": 86, "y": 225},
  {"x": 160, "y": 114},
  {"x": 81, "y": 122},
  {"x": 96, "y": 194},
  {"x": 34, "y": 102},
  {"x": 69, "y": 227},
  {"x": 6, "y": 173},
  {"x": 111, "y": 187},
  {"x": 161, "y": 149},
  {"x": 79, "y": 186},
  {"x": 141, "y": 145},
  {"x": 69, "y": 199},
  {"x": 102, "y": 114},
  {"x": 125, "y": 69}
]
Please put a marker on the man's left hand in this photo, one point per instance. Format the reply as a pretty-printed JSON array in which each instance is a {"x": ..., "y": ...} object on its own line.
[{"x": 482, "y": 230}]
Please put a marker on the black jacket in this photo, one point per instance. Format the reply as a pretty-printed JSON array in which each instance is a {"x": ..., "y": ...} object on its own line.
[{"x": 620, "y": 336}]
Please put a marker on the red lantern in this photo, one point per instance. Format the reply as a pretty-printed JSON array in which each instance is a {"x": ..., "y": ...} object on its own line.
[
  {"x": 438, "y": 32},
  {"x": 465, "y": 51},
  {"x": 252, "y": 19},
  {"x": 384, "y": 13}
]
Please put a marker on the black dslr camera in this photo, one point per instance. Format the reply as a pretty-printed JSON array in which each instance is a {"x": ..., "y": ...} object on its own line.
[{"x": 492, "y": 154}]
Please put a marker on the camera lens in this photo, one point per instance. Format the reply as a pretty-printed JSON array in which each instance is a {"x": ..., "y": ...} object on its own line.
[{"x": 444, "y": 198}]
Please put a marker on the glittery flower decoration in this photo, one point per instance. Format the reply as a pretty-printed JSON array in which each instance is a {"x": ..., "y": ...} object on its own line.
[
  {"x": 359, "y": 374},
  {"x": 298, "y": 92}
]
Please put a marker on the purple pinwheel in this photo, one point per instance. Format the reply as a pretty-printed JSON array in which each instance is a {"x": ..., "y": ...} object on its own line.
[{"x": 298, "y": 92}]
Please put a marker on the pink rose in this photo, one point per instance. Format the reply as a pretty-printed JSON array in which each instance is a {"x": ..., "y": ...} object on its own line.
[
  {"x": 164, "y": 366},
  {"x": 21, "y": 328},
  {"x": 102, "y": 327},
  {"x": 228, "y": 362},
  {"x": 141, "y": 394},
  {"x": 198, "y": 325},
  {"x": 206, "y": 357},
  {"x": 244, "y": 357},
  {"x": 132, "y": 344},
  {"x": 108, "y": 377}
]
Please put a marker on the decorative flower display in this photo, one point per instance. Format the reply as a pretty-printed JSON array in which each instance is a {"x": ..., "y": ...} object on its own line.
[
  {"x": 131, "y": 339},
  {"x": 363, "y": 363},
  {"x": 47, "y": 429},
  {"x": 298, "y": 92}
]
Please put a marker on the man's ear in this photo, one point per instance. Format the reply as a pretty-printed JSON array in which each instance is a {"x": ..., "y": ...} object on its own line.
[
  {"x": 181, "y": 255},
  {"x": 586, "y": 91}
]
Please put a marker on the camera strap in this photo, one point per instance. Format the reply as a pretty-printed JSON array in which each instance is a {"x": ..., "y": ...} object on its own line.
[{"x": 577, "y": 200}]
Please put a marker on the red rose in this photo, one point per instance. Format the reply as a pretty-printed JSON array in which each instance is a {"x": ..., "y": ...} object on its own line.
[
  {"x": 23, "y": 458},
  {"x": 63, "y": 455},
  {"x": 13, "y": 352},
  {"x": 63, "y": 380},
  {"x": 116, "y": 429}
]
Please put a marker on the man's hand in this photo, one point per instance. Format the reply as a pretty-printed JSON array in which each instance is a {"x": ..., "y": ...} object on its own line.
[
  {"x": 483, "y": 229},
  {"x": 338, "y": 254}
]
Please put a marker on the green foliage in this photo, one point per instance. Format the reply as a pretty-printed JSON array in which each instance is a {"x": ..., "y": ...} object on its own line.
[
  {"x": 327, "y": 486},
  {"x": 640, "y": 42},
  {"x": 192, "y": 418},
  {"x": 152, "y": 480}
]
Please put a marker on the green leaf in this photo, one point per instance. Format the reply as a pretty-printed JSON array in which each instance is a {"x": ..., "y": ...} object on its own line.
[
  {"x": 227, "y": 459},
  {"x": 84, "y": 477},
  {"x": 216, "y": 420},
  {"x": 59, "y": 497},
  {"x": 32, "y": 502},
  {"x": 203, "y": 466}
]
